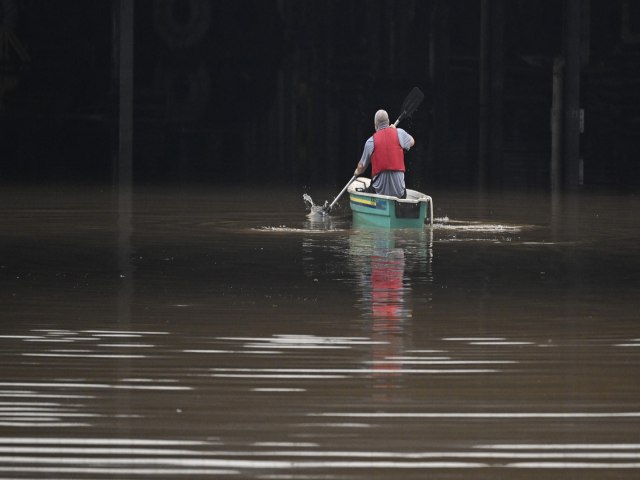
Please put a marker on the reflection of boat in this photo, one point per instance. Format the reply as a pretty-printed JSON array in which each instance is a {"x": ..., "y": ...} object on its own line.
[
  {"x": 370, "y": 209},
  {"x": 381, "y": 263},
  {"x": 389, "y": 264}
]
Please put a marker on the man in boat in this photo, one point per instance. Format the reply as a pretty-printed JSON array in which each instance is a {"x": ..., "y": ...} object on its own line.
[{"x": 385, "y": 151}]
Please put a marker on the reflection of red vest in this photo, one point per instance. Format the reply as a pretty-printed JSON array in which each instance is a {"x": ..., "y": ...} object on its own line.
[{"x": 387, "y": 152}]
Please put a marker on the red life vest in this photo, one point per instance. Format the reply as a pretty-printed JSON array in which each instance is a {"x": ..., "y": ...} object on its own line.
[{"x": 387, "y": 152}]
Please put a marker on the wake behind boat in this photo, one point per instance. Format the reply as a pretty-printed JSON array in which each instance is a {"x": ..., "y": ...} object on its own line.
[{"x": 370, "y": 209}]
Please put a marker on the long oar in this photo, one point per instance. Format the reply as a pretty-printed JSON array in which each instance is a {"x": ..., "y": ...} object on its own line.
[
  {"x": 410, "y": 105},
  {"x": 327, "y": 209}
]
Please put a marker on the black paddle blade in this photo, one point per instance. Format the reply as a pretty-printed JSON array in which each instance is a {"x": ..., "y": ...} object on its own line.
[{"x": 411, "y": 103}]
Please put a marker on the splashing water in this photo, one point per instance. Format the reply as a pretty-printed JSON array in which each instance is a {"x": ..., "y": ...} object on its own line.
[{"x": 314, "y": 210}]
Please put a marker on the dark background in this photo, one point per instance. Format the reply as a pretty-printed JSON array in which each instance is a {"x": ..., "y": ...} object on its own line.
[{"x": 285, "y": 91}]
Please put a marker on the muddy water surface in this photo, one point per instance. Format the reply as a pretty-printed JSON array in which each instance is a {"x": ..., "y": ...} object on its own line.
[{"x": 183, "y": 333}]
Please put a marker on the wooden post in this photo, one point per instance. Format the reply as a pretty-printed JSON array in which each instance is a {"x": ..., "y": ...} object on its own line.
[
  {"x": 438, "y": 73},
  {"x": 556, "y": 125},
  {"x": 490, "y": 93},
  {"x": 497, "y": 91},
  {"x": 123, "y": 61},
  {"x": 571, "y": 123},
  {"x": 483, "y": 94},
  {"x": 123, "y": 32}
]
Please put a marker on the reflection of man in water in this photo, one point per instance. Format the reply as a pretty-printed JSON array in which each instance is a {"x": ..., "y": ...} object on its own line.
[
  {"x": 388, "y": 313},
  {"x": 387, "y": 292},
  {"x": 385, "y": 151}
]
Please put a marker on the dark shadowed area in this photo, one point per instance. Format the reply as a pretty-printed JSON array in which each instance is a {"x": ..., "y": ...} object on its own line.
[{"x": 285, "y": 91}]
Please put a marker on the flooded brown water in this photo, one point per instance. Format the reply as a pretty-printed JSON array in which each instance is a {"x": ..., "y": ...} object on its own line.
[{"x": 207, "y": 334}]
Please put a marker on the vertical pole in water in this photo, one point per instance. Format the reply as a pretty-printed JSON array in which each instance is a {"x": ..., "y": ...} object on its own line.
[
  {"x": 438, "y": 74},
  {"x": 483, "y": 94},
  {"x": 490, "y": 92},
  {"x": 125, "y": 90},
  {"x": 556, "y": 125},
  {"x": 123, "y": 31},
  {"x": 123, "y": 79},
  {"x": 571, "y": 124},
  {"x": 496, "y": 91}
]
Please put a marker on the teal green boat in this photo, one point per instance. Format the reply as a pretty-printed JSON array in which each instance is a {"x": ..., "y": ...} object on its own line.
[{"x": 373, "y": 210}]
